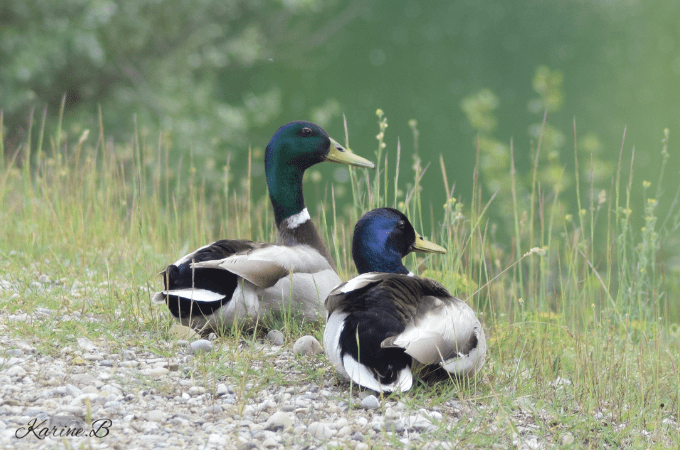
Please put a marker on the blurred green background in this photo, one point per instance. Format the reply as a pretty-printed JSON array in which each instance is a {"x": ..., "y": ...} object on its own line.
[{"x": 212, "y": 78}]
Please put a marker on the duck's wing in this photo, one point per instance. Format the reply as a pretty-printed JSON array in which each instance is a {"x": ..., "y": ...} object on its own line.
[
  {"x": 444, "y": 331},
  {"x": 266, "y": 264},
  {"x": 192, "y": 291},
  {"x": 353, "y": 289}
]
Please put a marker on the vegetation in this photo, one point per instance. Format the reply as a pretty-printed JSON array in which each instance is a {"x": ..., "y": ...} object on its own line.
[
  {"x": 164, "y": 63},
  {"x": 583, "y": 335}
]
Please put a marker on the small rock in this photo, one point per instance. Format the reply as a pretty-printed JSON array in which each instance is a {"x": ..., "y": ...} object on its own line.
[
  {"x": 279, "y": 421},
  {"x": 270, "y": 442},
  {"x": 155, "y": 371},
  {"x": 213, "y": 409},
  {"x": 222, "y": 389},
  {"x": 196, "y": 390},
  {"x": 111, "y": 389},
  {"x": 370, "y": 402},
  {"x": 419, "y": 422},
  {"x": 344, "y": 431},
  {"x": 320, "y": 430},
  {"x": 212, "y": 337},
  {"x": 567, "y": 439},
  {"x": 155, "y": 416},
  {"x": 201, "y": 345},
  {"x": 392, "y": 425},
  {"x": 16, "y": 371},
  {"x": 44, "y": 311},
  {"x": 275, "y": 337},
  {"x": 15, "y": 352},
  {"x": 73, "y": 391},
  {"x": 129, "y": 355},
  {"x": 86, "y": 344},
  {"x": 217, "y": 440},
  {"x": 307, "y": 345},
  {"x": 358, "y": 437},
  {"x": 90, "y": 390},
  {"x": 113, "y": 405},
  {"x": 21, "y": 317},
  {"x": 25, "y": 346}
]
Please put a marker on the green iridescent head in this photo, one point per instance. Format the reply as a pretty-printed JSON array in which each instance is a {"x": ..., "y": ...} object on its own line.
[{"x": 294, "y": 148}]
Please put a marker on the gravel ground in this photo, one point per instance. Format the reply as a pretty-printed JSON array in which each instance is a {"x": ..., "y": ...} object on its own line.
[{"x": 129, "y": 398}]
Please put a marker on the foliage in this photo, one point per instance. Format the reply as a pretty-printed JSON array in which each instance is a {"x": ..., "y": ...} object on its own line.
[{"x": 170, "y": 65}]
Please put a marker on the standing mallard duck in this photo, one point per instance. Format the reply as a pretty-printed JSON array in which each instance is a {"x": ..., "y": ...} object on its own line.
[
  {"x": 380, "y": 324},
  {"x": 239, "y": 280}
]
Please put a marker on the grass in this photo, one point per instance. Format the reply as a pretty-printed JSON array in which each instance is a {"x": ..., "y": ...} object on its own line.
[{"x": 580, "y": 309}]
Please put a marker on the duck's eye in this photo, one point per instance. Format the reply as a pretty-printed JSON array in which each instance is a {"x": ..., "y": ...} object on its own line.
[
  {"x": 401, "y": 225},
  {"x": 306, "y": 131}
]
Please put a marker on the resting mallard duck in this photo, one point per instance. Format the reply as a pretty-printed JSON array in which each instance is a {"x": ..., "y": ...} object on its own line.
[
  {"x": 239, "y": 280},
  {"x": 380, "y": 324}
]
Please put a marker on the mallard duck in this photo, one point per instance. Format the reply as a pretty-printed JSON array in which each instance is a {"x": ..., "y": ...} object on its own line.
[
  {"x": 386, "y": 320},
  {"x": 240, "y": 280}
]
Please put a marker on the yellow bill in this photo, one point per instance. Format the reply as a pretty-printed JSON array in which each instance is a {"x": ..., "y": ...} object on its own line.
[
  {"x": 421, "y": 245},
  {"x": 339, "y": 154}
]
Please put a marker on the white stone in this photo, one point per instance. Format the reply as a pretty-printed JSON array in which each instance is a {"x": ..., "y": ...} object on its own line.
[
  {"x": 275, "y": 337},
  {"x": 270, "y": 442},
  {"x": 200, "y": 345},
  {"x": 307, "y": 345},
  {"x": 320, "y": 430},
  {"x": 16, "y": 371},
  {"x": 370, "y": 402},
  {"x": 567, "y": 439},
  {"x": 155, "y": 416},
  {"x": 279, "y": 421},
  {"x": 86, "y": 344},
  {"x": 222, "y": 389},
  {"x": 196, "y": 390},
  {"x": 155, "y": 371}
]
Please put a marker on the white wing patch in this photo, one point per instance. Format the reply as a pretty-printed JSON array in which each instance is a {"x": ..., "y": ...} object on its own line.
[
  {"x": 357, "y": 283},
  {"x": 360, "y": 374},
  {"x": 188, "y": 257},
  {"x": 197, "y": 295}
]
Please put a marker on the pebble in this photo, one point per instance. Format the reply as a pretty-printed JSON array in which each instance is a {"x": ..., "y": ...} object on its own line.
[
  {"x": 222, "y": 389},
  {"x": 279, "y": 421},
  {"x": 16, "y": 371},
  {"x": 307, "y": 345},
  {"x": 155, "y": 416},
  {"x": 196, "y": 390},
  {"x": 275, "y": 337},
  {"x": 200, "y": 345},
  {"x": 320, "y": 430},
  {"x": 86, "y": 344},
  {"x": 370, "y": 402},
  {"x": 567, "y": 439}
]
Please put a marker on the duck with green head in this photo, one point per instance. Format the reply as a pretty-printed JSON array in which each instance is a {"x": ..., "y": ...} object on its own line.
[
  {"x": 232, "y": 281},
  {"x": 386, "y": 321}
]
